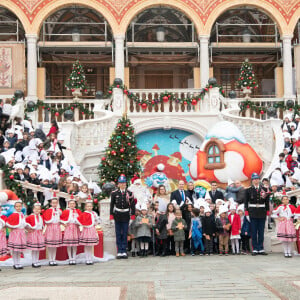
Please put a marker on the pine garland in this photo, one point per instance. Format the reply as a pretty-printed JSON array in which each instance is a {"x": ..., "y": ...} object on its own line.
[{"x": 166, "y": 96}]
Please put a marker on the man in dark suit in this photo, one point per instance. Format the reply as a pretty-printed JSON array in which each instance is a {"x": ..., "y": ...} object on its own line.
[
  {"x": 257, "y": 208},
  {"x": 181, "y": 196},
  {"x": 214, "y": 193}
]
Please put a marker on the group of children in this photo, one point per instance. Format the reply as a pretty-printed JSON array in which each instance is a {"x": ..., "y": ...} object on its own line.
[
  {"x": 40, "y": 230},
  {"x": 177, "y": 231}
]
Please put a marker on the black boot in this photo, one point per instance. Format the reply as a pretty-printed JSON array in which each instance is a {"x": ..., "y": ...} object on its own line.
[
  {"x": 146, "y": 253},
  {"x": 133, "y": 254}
]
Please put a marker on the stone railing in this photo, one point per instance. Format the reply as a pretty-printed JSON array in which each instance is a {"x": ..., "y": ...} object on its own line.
[
  {"x": 210, "y": 102},
  {"x": 46, "y": 116},
  {"x": 260, "y": 102},
  {"x": 265, "y": 136}
]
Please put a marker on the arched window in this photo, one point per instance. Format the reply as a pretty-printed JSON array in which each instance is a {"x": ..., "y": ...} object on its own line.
[{"x": 214, "y": 150}]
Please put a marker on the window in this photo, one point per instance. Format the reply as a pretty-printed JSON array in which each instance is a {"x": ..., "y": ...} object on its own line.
[{"x": 214, "y": 154}]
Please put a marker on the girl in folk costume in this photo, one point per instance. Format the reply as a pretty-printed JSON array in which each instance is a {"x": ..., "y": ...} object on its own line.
[
  {"x": 17, "y": 237},
  {"x": 35, "y": 238},
  {"x": 72, "y": 232},
  {"x": 235, "y": 221},
  {"x": 286, "y": 232},
  {"x": 88, "y": 237},
  {"x": 53, "y": 235}
]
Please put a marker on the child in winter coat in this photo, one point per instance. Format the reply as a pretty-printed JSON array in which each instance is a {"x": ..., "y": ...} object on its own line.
[
  {"x": 3, "y": 243},
  {"x": 196, "y": 233},
  {"x": 161, "y": 229},
  {"x": 286, "y": 232},
  {"x": 235, "y": 222},
  {"x": 245, "y": 231},
  {"x": 178, "y": 227},
  {"x": 209, "y": 230},
  {"x": 187, "y": 216},
  {"x": 143, "y": 233},
  {"x": 223, "y": 227},
  {"x": 132, "y": 232}
]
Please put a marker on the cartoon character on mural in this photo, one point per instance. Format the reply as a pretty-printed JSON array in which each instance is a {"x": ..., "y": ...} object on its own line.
[
  {"x": 157, "y": 178},
  {"x": 225, "y": 155},
  {"x": 7, "y": 201}
]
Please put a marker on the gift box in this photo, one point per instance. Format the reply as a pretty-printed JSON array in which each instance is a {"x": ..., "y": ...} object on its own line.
[{"x": 62, "y": 254}]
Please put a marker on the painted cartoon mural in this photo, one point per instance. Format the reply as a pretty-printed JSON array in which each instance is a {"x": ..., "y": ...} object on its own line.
[
  {"x": 225, "y": 155},
  {"x": 165, "y": 156}
]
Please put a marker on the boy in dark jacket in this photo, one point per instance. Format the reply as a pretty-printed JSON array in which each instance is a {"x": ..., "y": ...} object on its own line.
[
  {"x": 245, "y": 231},
  {"x": 223, "y": 227},
  {"x": 209, "y": 230},
  {"x": 187, "y": 216}
]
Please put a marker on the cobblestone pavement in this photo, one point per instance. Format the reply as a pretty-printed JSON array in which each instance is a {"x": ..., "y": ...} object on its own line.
[{"x": 214, "y": 277}]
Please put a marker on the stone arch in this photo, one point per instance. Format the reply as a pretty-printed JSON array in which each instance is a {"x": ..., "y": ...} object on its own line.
[
  {"x": 190, "y": 12},
  {"x": 269, "y": 9},
  {"x": 293, "y": 21},
  {"x": 18, "y": 12},
  {"x": 59, "y": 4},
  {"x": 166, "y": 122}
]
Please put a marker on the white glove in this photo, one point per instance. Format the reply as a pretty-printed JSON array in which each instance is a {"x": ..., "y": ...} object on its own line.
[{"x": 248, "y": 218}]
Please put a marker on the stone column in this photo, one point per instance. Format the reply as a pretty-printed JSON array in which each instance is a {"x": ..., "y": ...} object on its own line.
[
  {"x": 119, "y": 56},
  {"x": 32, "y": 73},
  {"x": 204, "y": 60},
  {"x": 287, "y": 67}
]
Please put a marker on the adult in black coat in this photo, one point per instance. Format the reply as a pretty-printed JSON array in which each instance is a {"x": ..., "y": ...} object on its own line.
[
  {"x": 215, "y": 193},
  {"x": 180, "y": 195}
]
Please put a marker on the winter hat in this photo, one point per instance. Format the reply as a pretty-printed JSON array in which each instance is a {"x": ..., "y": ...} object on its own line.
[
  {"x": 296, "y": 174},
  {"x": 19, "y": 166},
  {"x": 297, "y": 116},
  {"x": 144, "y": 206},
  {"x": 138, "y": 206},
  {"x": 285, "y": 128},
  {"x": 277, "y": 176},
  {"x": 61, "y": 136},
  {"x": 284, "y": 169},
  {"x": 241, "y": 207},
  {"x": 232, "y": 206},
  {"x": 286, "y": 135},
  {"x": 292, "y": 124},
  {"x": 207, "y": 209},
  {"x": 220, "y": 202},
  {"x": 288, "y": 182},
  {"x": 223, "y": 209},
  {"x": 295, "y": 154},
  {"x": 295, "y": 135}
]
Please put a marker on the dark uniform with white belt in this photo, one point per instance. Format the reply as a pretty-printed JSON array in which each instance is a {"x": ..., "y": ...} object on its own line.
[
  {"x": 122, "y": 209},
  {"x": 257, "y": 208}
]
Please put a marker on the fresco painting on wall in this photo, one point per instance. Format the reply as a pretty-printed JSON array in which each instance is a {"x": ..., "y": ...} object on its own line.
[{"x": 173, "y": 148}]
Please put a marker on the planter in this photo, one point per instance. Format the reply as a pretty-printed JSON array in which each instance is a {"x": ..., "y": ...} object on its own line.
[
  {"x": 76, "y": 93},
  {"x": 247, "y": 92}
]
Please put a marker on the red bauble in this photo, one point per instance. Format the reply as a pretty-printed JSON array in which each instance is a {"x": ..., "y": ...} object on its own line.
[
  {"x": 127, "y": 125},
  {"x": 206, "y": 89},
  {"x": 73, "y": 90},
  {"x": 169, "y": 96},
  {"x": 113, "y": 152},
  {"x": 255, "y": 87},
  {"x": 118, "y": 85},
  {"x": 109, "y": 92},
  {"x": 253, "y": 82},
  {"x": 57, "y": 114},
  {"x": 223, "y": 92},
  {"x": 125, "y": 92},
  {"x": 210, "y": 86},
  {"x": 95, "y": 201},
  {"x": 242, "y": 72},
  {"x": 123, "y": 132},
  {"x": 248, "y": 106},
  {"x": 242, "y": 78},
  {"x": 248, "y": 87},
  {"x": 250, "y": 77},
  {"x": 290, "y": 109},
  {"x": 262, "y": 112},
  {"x": 129, "y": 144},
  {"x": 103, "y": 158},
  {"x": 122, "y": 150},
  {"x": 82, "y": 112},
  {"x": 72, "y": 107},
  {"x": 194, "y": 102},
  {"x": 11, "y": 177},
  {"x": 43, "y": 107},
  {"x": 152, "y": 102},
  {"x": 109, "y": 145},
  {"x": 165, "y": 98},
  {"x": 144, "y": 105},
  {"x": 78, "y": 73}
]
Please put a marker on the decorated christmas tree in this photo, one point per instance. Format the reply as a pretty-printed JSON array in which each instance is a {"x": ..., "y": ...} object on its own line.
[
  {"x": 247, "y": 77},
  {"x": 121, "y": 153},
  {"x": 77, "y": 79}
]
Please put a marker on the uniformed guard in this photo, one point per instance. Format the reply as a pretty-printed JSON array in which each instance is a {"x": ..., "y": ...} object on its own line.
[
  {"x": 122, "y": 209},
  {"x": 257, "y": 208}
]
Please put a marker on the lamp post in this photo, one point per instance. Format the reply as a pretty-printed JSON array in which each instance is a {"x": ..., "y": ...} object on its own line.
[
  {"x": 75, "y": 35},
  {"x": 160, "y": 34}
]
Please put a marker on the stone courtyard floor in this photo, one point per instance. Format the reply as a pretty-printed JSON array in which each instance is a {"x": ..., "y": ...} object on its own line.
[{"x": 214, "y": 277}]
